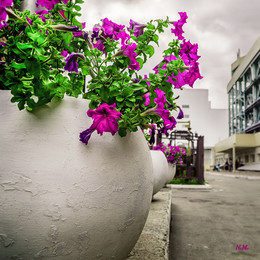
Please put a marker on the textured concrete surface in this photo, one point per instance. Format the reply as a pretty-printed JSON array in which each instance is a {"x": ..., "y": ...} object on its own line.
[{"x": 153, "y": 243}]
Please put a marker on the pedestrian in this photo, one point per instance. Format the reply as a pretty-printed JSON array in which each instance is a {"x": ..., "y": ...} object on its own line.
[
  {"x": 226, "y": 165},
  {"x": 218, "y": 167},
  {"x": 230, "y": 164}
]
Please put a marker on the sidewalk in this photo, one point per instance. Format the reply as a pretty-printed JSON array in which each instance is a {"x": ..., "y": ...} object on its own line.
[
  {"x": 153, "y": 243},
  {"x": 214, "y": 224},
  {"x": 237, "y": 174}
]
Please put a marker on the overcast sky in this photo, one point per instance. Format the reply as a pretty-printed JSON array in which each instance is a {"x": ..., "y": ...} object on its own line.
[{"x": 219, "y": 27}]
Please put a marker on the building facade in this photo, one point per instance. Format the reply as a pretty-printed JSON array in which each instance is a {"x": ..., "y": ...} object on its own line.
[
  {"x": 204, "y": 121},
  {"x": 243, "y": 144}
]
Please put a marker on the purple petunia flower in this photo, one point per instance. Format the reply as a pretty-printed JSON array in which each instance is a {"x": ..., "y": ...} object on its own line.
[
  {"x": 41, "y": 13},
  {"x": 180, "y": 115},
  {"x": 124, "y": 37},
  {"x": 110, "y": 29},
  {"x": 137, "y": 28},
  {"x": 72, "y": 63},
  {"x": 64, "y": 53},
  {"x": 79, "y": 32},
  {"x": 85, "y": 135},
  {"x": 30, "y": 21},
  {"x": 147, "y": 99},
  {"x": 49, "y": 4},
  {"x": 188, "y": 52},
  {"x": 3, "y": 13},
  {"x": 178, "y": 25},
  {"x": 160, "y": 96},
  {"x": 105, "y": 120},
  {"x": 129, "y": 51}
]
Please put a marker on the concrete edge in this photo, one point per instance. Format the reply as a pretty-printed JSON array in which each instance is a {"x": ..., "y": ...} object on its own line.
[
  {"x": 235, "y": 176},
  {"x": 190, "y": 187},
  {"x": 154, "y": 242}
]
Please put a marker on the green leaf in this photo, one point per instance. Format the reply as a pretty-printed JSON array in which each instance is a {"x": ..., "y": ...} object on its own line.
[
  {"x": 24, "y": 46},
  {"x": 18, "y": 65},
  {"x": 77, "y": 8},
  {"x": 129, "y": 104},
  {"x": 156, "y": 39},
  {"x": 119, "y": 98},
  {"x": 104, "y": 94},
  {"x": 33, "y": 66},
  {"x": 127, "y": 91},
  {"x": 137, "y": 86},
  {"x": 140, "y": 61},
  {"x": 150, "y": 27},
  {"x": 132, "y": 99},
  {"x": 93, "y": 104},
  {"x": 149, "y": 50},
  {"x": 122, "y": 131},
  {"x": 85, "y": 70}
]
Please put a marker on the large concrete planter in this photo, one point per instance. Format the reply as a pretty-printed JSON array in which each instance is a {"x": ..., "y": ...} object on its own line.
[
  {"x": 171, "y": 172},
  {"x": 61, "y": 199},
  {"x": 160, "y": 170}
]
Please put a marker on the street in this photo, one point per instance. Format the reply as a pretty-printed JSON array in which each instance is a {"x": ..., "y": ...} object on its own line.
[{"x": 222, "y": 223}]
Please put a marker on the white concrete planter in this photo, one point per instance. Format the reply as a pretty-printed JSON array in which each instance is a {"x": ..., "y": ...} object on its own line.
[
  {"x": 61, "y": 199},
  {"x": 160, "y": 170},
  {"x": 171, "y": 172}
]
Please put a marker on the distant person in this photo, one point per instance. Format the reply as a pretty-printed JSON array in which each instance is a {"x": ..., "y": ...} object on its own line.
[
  {"x": 230, "y": 165},
  {"x": 226, "y": 165},
  {"x": 218, "y": 167},
  {"x": 237, "y": 164}
]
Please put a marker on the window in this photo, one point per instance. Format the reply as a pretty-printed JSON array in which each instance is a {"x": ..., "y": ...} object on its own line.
[
  {"x": 258, "y": 157},
  {"x": 186, "y": 116},
  {"x": 246, "y": 159},
  {"x": 252, "y": 158},
  {"x": 185, "y": 106}
]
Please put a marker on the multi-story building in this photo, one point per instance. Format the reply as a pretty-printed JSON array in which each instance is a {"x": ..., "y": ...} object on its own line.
[
  {"x": 243, "y": 144},
  {"x": 212, "y": 123}
]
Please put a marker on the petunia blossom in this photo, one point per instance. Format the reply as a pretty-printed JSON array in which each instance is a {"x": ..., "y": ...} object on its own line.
[
  {"x": 79, "y": 32},
  {"x": 3, "y": 13},
  {"x": 72, "y": 63},
  {"x": 110, "y": 29},
  {"x": 105, "y": 120},
  {"x": 189, "y": 52},
  {"x": 129, "y": 51},
  {"x": 30, "y": 21},
  {"x": 41, "y": 13},
  {"x": 48, "y": 4},
  {"x": 178, "y": 31},
  {"x": 160, "y": 96},
  {"x": 180, "y": 115},
  {"x": 64, "y": 53},
  {"x": 137, "y": 28},
  {"x": 147, "y": 99}
]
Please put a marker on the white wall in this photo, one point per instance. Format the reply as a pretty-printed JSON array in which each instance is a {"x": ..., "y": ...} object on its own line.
[{"x": 208, "y": 122}]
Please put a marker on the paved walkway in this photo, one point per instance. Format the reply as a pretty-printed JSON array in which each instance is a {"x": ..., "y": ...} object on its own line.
[{"x": 222, "y": 223}]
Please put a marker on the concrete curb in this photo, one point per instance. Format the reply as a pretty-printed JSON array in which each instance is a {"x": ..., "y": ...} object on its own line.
[
  {"x": 153, "y": 243},
  {"x": 190, "y": 187},
  {"x": 235, "y": 176}
]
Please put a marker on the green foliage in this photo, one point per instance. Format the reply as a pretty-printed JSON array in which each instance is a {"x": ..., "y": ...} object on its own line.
[
  {"x": 184, "y": 181},
  {"x": 34, "y": 71},
  {"x": 33, "y": 65}
]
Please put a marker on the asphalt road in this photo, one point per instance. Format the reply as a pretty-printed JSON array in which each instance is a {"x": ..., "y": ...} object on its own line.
[{"x": 218, "y": 224}]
